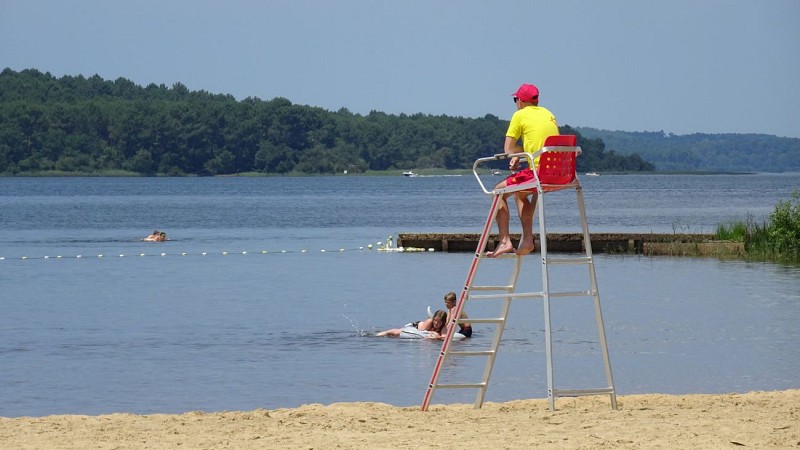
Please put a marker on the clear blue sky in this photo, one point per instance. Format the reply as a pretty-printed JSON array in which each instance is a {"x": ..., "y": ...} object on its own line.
[{"x": 682, "y": 66}]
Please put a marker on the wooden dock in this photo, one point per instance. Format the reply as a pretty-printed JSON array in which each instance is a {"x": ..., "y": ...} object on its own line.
[{"x": 637, "y": 243}]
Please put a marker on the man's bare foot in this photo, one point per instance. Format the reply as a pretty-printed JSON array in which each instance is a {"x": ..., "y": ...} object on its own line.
[
  {"x": 525, "y": 247},
  {"x": 504, "y": 247}
]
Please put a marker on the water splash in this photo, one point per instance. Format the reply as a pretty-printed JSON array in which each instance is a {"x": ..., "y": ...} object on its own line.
[{"x": 359, "y": 332}]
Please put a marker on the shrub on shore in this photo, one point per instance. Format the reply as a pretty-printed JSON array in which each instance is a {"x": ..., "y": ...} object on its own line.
[{"x": 777, "y": 238}]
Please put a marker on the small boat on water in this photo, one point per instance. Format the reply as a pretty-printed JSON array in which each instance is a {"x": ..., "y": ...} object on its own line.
[
  {"x": 496, "y": 172},
  {"x": 592, "y": 174},
  {"x": 409, "y": 174}
]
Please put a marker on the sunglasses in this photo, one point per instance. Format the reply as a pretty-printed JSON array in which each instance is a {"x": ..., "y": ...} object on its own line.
[{"x": 517, "y": 99}]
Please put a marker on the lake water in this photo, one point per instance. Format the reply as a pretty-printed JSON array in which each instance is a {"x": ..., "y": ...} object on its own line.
[{"x": 242, "y": 308}]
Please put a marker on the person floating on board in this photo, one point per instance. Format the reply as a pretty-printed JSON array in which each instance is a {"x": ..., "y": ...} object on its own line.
[
  {"x": 533, "y": 124},
  {"x": 432, "y": 327}
]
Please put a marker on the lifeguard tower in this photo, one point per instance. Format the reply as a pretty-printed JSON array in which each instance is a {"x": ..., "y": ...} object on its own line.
[{"x": 556, "y": 172}]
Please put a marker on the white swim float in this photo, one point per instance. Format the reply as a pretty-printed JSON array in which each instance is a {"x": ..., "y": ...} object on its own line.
[{"x": 409, "y": 331}]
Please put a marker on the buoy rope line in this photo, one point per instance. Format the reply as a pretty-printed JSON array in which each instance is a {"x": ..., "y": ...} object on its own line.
[{"x": 379, "y": 246}]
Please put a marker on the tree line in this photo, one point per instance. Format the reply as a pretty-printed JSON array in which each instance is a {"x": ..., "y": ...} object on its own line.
[
  {"x": 706, "y": 152},
  {"x": 75, "y": 124}
]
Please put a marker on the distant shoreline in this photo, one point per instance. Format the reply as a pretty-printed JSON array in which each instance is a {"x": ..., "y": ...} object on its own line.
[{"x": 421, "y": 172}]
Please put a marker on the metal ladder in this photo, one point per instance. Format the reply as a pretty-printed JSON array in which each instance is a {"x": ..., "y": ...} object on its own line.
[{"x": 558, "y": 151}]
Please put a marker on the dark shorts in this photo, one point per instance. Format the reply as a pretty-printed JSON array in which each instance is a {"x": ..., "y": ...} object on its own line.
[{"x": 467, "y": 332}]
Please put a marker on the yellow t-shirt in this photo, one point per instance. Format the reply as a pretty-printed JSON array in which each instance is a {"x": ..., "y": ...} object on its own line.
[{"x": 533, "y": 124}]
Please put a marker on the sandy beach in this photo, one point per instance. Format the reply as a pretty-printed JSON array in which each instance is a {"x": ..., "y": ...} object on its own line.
[{"x": 752, "y": 420}]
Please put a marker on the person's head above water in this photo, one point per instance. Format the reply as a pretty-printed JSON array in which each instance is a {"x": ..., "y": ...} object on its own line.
[
  {"x": 450, "y": 299},
  {"x": 439, "y": 320}
]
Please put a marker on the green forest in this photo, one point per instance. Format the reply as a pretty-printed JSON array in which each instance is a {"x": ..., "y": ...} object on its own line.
[
  {"x": 705, "y": 152},
  {"x": 91, "y": 126}
]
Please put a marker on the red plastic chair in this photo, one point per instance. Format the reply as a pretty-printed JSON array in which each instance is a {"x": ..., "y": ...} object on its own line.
[
  {"x": 557, "y": 162},
  {"x": 556, "y": 169}
]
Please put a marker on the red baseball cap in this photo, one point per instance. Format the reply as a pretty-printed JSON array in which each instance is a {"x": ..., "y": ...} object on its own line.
[{"x": 526, "y": 93}]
